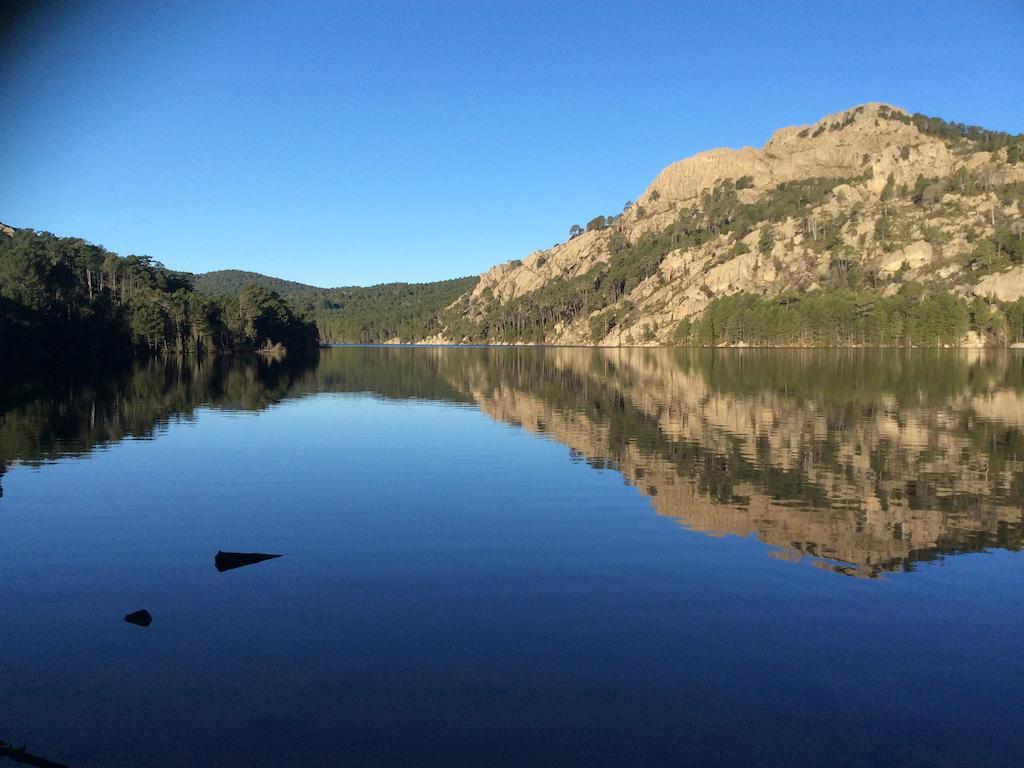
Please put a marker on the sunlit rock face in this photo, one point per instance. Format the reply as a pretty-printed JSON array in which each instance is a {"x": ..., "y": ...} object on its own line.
[{"x": 874, "y": 155}]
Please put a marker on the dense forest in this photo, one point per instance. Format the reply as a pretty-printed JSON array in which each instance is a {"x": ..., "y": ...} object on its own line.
[
  {"x": 230, "y": 282},
  {"x": 370, "y": 315},
  {"x": 852, "y": 318},
  {"x": 63, "y": 296}
]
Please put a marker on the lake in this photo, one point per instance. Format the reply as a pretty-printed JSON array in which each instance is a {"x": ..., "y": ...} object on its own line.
[{"x": 518, "y": 556}]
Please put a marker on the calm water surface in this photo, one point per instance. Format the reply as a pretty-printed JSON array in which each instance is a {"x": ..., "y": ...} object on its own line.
[{"x": 518, "y": 557}]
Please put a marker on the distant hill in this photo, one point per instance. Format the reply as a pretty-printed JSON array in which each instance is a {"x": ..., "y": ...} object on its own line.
[
  {"x": 229, "y": 282},
  {"x": 354, "y": 314}
]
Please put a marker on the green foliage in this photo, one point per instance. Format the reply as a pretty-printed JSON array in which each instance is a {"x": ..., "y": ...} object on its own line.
[
  {"x": 889, "y": 188},
  {"x": 981, "y": 138},
  {"x": 598, "y": 327},
  {"x": 1014, "y": 315},
  {"x": 263, "y": 318},
  {"x": 838, "y": 318},
  {"x": 1005, "y": 246},
  {"x": 738, "y": 249},
  {"x": 66, "y": 297},
  {"x": 1009, "y": 242},
  {"x": 933, "y": 235},
  {"x": 371, "y": 315},
  {"x": 597, "y": 223},
  {"x": 230, "y": 282},
  {"x": 407, "y": 311},
  {"x": 883, "y": 228},
  {"x": 920, "y": 185},
  {"x": 682, "y": 334},
  {"x": 980, "y": 313}
]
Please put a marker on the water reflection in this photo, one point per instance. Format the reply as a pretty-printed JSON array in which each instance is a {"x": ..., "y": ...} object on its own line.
[
  {"x": 861, "y": 462},
  {"x": 45, "y": 418}
]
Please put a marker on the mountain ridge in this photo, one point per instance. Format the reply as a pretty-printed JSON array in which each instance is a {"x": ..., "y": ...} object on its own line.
[
  {"x": 230, "y": 281},
  {"x": 866, "y": 200},
  {"x": 868, "y": 227}
]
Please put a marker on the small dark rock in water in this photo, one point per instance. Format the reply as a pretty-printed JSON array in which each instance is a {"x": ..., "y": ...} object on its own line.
[
  {"x": 141, "y": 618},
  {"x": 225, "y": 561},
  {"x": 21, "y": 755}
]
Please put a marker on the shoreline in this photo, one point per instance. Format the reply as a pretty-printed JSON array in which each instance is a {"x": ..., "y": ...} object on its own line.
[{"x": 1017, "y": 346}]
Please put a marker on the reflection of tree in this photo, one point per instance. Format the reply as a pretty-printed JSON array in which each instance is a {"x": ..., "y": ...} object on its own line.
[
  {"x": 866, "y": 461},
  {"x": 45, "y": 418}
]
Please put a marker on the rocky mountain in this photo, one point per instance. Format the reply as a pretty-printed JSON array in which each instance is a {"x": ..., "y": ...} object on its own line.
[{"x": 899, "y": 229}]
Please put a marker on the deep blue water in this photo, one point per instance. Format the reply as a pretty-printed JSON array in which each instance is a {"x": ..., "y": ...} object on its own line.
[{"x": 518, "y": 557}]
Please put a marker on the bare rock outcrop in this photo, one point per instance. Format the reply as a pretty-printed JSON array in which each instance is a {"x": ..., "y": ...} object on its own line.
[{"x": 895, "y": 204}]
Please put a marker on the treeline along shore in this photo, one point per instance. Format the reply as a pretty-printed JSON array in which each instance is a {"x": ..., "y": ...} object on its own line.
[{"x": 64, "y": 297}]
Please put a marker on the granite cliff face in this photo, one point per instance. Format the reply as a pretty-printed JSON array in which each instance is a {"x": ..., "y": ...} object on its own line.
[{"x": 869, "y": 192}]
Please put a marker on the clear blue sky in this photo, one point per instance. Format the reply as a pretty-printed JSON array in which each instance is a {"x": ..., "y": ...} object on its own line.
[{"x": 354, "y": 143}]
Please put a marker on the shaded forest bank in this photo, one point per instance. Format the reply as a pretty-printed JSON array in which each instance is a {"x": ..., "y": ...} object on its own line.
[{"x": 64, "y": 298}]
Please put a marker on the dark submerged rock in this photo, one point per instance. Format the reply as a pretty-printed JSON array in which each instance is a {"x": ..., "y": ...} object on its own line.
[
  {"x": 226, "y": 561},
  {"x": 141, "y": 618},
  {"x": 23, "y": 756}
]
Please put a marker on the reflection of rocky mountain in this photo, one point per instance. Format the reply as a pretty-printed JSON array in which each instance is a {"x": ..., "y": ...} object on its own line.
[
  {"x": 863, "y": 461},
  {"x": 861, "y": 482}
]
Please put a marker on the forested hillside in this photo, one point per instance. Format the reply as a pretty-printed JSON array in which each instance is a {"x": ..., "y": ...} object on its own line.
[
  {"x": 374, "y": 314},
  {"x": 230, "y": 282},
  {"x": 63, "y": 296}
]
